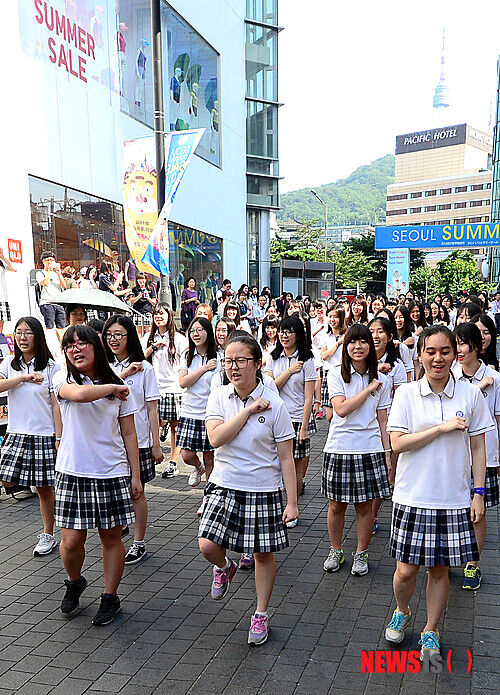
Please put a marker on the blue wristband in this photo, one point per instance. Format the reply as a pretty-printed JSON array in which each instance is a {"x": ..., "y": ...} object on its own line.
[{"x": 479, "y": 491}]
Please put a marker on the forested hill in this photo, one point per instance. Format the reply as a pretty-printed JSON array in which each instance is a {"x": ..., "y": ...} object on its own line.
[{"x": 358, "y": 199}]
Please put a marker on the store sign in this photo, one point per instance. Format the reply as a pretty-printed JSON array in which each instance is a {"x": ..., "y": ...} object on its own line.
[
  {"x": 398, "y": 270},
  {"x": 15, "y": 250},
  {"x": 430, "y": 139},
  {"x": 446, "y": 236}
]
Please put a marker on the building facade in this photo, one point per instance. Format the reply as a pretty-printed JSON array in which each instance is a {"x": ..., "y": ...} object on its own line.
[
  {"x": 495, "y": 190},
  {"x": 82, "y": 85}
]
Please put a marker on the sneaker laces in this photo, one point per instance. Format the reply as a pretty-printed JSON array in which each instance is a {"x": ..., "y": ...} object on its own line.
[
  {"x": 429, "y": 640},
  {"x": 258, "y": 623},
  {"x": 397, "y": 620},
  {"x": 45, "y": 536},
  {"x": 470, "y": 571},
  {"x": 335, "y": 553},
  {"x": 220, "y": 577}
]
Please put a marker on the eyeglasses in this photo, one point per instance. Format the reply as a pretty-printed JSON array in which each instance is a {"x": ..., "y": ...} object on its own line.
[
  {"x": 286, "y": 334},
  {"x": 25, "y": 334},
  {"x": 240, "y": 362},
  {"x": 195, "y": 331},
  {"x": 115, "y": 336},
  {"x": 80, "y": 345}
]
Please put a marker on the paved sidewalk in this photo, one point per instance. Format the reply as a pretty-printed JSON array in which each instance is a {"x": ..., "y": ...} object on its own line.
[{"x": 172, "y": 638}]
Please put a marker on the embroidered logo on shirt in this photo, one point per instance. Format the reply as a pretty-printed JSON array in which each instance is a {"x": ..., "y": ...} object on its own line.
[
  {"x": 459, "y": 413},
  {"x": 261, "y": 419},
  {"x": 130, "y": 382},
  {"x": 485, "y": 395}
]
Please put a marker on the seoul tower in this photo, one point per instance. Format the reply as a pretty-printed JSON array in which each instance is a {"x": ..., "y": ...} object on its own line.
[{"x": 441, "y": 100}]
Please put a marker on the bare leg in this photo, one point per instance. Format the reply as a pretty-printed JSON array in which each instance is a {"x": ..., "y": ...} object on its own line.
[
  {"x": 329, "y": 413},
  {"x": 265, "y": 574},
  {"x": 72, "y": 549},
  {"x": 405, "y": 578},
  {"x": 190, "y": 458},
  {"x": 300, "y": 471},
  {"x": 438, "y": 589},
  {"x": 376, "y": 504},
  {"x": 141, "y": 517},
  {"x": 336, "y": 521},
  {"x": 174, "y": 450},
  {"x": 113, "y": 557},
  {"x": 208, "y": 462},
  {"x": 364, "y": 524},
  {"x": 212, "y": 552},
  {"x": 47, "y": 498},
  {"x": 480, "y": 531}
]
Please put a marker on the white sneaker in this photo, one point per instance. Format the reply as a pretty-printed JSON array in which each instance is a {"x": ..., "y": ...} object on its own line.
[
  {"x": 360, "y": 564},
  {"x": 395, "y": 630},
  {"x": 334, "y": 560},
  {"x": 45, "y": 545},
  {"x": 195, "y": 478},
  {"x": 292, "y": 524}
]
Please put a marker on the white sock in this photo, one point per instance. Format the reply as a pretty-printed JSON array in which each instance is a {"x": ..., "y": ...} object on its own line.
[
  {"x": 226, "y": 566},
  {"x": 141, "y": 544},
  {"x": 264, "y": 613}
]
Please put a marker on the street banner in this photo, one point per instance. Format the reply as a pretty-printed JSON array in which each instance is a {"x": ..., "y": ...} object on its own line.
[
  {"x": 140, "y": 202},
  {"x": 447, "y": 236},
  {"x": 179, "y": 147},
  {"x": 398, "y": 271}
]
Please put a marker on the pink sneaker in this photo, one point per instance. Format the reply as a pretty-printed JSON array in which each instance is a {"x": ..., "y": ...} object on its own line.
[
  {"x": 222, "y": 580},
  {"x": 246, "y": 562},
  {"x": 259, "y": 629}
]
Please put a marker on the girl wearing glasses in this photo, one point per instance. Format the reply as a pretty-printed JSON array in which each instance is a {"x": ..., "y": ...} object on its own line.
[
  {"x": 291, "y": 365},
  {"x": 243, "y": 504},
  {"x": 124, "y": 352},
  {"x": 28, "y": 451},
  {"x": 97, "y": 468},
  {"x": 164, "y": 347},
  {"x": 195, "y": 374}
]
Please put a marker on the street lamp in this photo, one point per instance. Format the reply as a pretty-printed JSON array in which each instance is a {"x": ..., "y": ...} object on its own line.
[{"x": 326, "y": 215}]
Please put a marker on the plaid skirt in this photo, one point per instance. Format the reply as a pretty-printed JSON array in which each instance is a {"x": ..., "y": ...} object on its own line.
[
  {"x": 4, "y": 311},
  {"x": 83, "y": 503},
  {"x": 146, "y": 464},
  {"x": 325, "y": 397},
  {"x": 28, "y": 459},
  {"x": 354, "y": 478},
  {"x": 246, "y": 522},
  {"x": 169, "y": 407},
  {"x": 432, "y": 537},
  {"x": 302, "y": 450},
  {"x": 491, "y": 488},
  {"x": 192, "y": 435}
]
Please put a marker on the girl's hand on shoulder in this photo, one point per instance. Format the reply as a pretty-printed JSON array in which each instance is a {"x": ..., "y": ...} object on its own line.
[
  {"x": 384, "y": 367},
  {"x": 157, "y": 455},
  {"x": 258, "y": 406},
  {"x": 485, "y": 382},
  {"x": 374, "y": 385},
  {"x": 211, "y": 365},
  {"x": 33, "y": 378},
  {"x": 477, "y": 509},
  {"x": 121, "y": 392},
  {"x": 296, "y": 368},
  {"x": 291, "y": 512},
  {"x": 136, "y": 488},
  {"x": 134, "y": 367},
  {"x": 456, "y": 423}
]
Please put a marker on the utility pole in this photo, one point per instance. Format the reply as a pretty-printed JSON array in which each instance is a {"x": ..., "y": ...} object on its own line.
[
  {"x": 159, "y": 127},
  {"x": 326, "y": 217}
]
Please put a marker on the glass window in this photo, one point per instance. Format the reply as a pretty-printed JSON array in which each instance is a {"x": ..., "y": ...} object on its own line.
[
  {"x": 461, "y": 189},
  {"x": 447, "y": 206},
  {"x": 430, "y": 208},
  {"x": 262, "y": 191},
  {"x": 253, "y": 233},
  {"x": 460, "y": 205},
  {"x": 475, "y": 203},
  {"x": 398, "y": 196},
  {"x": 445, "y": 191},
  {"x": 395, "y": 212},
  {"x": 414, "y": 210},
  {"x": 265, "y": 11},
  {"x": 418, "y": 194},
  {"x": 261, "y": 58},
  {"x": 488, "y": 186},
  {"x": 262, "y": 165},
  {"x": 262, "y": 130},
  {"x": 429, "y": 193},
  {"x": 477, "y": 187},
  {"x": 475, "y": 220}
]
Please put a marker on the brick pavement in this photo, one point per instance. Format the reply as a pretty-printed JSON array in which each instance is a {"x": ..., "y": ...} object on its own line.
[{"x": 171, "y": 638}]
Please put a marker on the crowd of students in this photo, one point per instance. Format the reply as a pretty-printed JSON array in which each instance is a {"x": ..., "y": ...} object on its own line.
[{"x": 411, "y": 393}]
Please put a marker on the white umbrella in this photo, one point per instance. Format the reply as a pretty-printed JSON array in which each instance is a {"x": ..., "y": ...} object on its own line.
[{"x": 92, "y": 299}]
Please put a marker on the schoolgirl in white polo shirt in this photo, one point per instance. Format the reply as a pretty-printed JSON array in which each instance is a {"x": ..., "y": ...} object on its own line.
[
  {"x": 164, "y": 347},
  {"x": 97, "y": 467},
  {"x": 355, "y": 466},
  {"x": 195, "y": 375},
  {"x": 269, "y": 337},
  {"x": 124, "y": 352},
  {"x": 331, "y": 351},
  {"x": 470, "y": 368},
  {"x": 28, "y": 451},
  {"x": 243, "y": 504},
  {"x": 405, "y": 339},
  {"x": 436, "y": 423},
  {"x": 291, "y": 365}
]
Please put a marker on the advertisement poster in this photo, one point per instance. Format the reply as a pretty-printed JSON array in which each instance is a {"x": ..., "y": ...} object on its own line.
[
  {"x": 438, "y": 236},
  {"x": 398, "y": 271}
]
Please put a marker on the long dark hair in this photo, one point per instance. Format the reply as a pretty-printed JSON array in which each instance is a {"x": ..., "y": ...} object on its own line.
[
  {"x": 364, "y": 314},
  {"x": 306, "y": 322},
  {"x": 408, "y": 326},
  {"x": 211, "y": 346},
  {"x": 101, "y": 365},
  {"x": 422, "y": 321},
  {"x": 391, "y": 350},
  {"x": 245, "y": 339},
  {"x": 105, "y": 269},
  {"x": 231, "y": 326},
  {"x": 340, "y": 311},
  {"x": 171, "y": 331},
  {"x": 134, "y": 348},
  {"x": 358, "y": 331},
  {"x": 470, "y": 334},
  {"x": 235, "y": 307},
  {"x": 41, "y": 349},
  {"x": 435, "y": 330},
  {"x": 473, "y": 310},
  {"x": 294, "y": 324},
  {"x": 489, "y": 356},
  {"x": 268, "y": 321}
]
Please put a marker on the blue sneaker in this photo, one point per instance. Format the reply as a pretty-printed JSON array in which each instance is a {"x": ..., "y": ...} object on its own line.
[
  {"x": 375, "y": 524},
  {"x": 472, "y": 578},
  {"x": 430, "y": 644},
  {"x": 395, "y": 630}
]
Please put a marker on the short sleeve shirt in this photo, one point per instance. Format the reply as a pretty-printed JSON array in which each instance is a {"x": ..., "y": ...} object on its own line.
[
  {"x": 358, "y": 432},
  {"x": 293, "y": 391},
  {"x": 167, "y": 373},
  {"x": 437, "y": 475},
  {"x": 194, "y": 399},
  {"x": 328, "y": 341},
  {"x": 237, "y": 465},
  {"x": 30, "y": 406},
  {"x": 51, "y": 291},
  {"x": 144, "y": 388},
  {"x": 92, "y": 445}
]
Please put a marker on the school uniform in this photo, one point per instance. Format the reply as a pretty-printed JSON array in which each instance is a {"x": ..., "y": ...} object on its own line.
[
  {"x": 243, "y": 502},
  {"x": 92, "y": 469},
  {"x": 491, "y": 397},
  {"x": 218, "y": 380},
  {"x": 144, "y": 388},
  {"x": 28, "y": 450},
  {"x": 431, "y": 514},
  {"x": 191, "y": 433},
  {"x": 328, "y": 341},
  {"x": 407, "y": 358},
  {"x": 396, "y": 376},
  {"x": 354, "y": 467},
  {"x": 167, "y": 377},
  {"x": 293, "y": 395}
]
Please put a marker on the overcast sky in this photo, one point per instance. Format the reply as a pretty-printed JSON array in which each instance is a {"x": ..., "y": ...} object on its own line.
[{"x": 353, "y": 75}]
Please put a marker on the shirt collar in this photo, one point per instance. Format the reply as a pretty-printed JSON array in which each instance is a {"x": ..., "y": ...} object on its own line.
[
  {"x": 31, "y": 362},
  {"x": 124, "y": 363},
  {"x": 478, "y": 375},
  {"x": 353, "y": 371},
  {"x": 288, "y": 357},
  {"x": 256, "y": 393},
  {"x": 449, "y": 389}
]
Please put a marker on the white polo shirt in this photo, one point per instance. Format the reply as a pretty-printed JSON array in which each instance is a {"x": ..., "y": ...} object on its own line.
[
  {"x": 92, "y": 444},
  {"x": 359, "y": 432},
  {"x": 318, "y": 338},
  {"x": 437, "y": 475},
  {"x": 143, "y": 388},
  {"x": 250, "y": 460},
  {"x": 29, "y": 405},
  {"x": 407, "y": 357},
  {"x": 194, "y": 399},
  {"x": 328, "y": 340},
  {"x": 293, "y": 391},
  {"x": 167, "y": 373},
  {"x": 397, "y": 375},
  {"x": 491, "y": 397},
  {"x": 218, "y": 380}
]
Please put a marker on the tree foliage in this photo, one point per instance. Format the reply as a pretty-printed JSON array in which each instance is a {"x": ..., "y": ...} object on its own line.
[
  {"x": 353, "y": 267},
  {"x": 455, "y": 273}
]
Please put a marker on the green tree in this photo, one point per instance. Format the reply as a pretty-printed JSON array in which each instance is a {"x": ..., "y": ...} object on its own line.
[
  {"x": 353, "y": 267},
  {"x": 459, "y": 272},
  {"x": 426, "y": 282},
  {"x": 309, "y": 245}
]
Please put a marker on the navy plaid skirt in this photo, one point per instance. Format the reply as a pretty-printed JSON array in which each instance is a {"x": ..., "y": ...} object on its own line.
[
  {"x": 302, "y": 450},
  {"x": 169, "y": 407},
  {"x": 146, "y": 465},
  {"x": 28, "y": 459},
  {"x": 246, "y": 522},
  {"x": 354, "y": 478},
  {"x": 192, "y": 435},
  {"x": 325, "y": 397},
  {"x": 83, "y": 503},
  {"x": 491, "y": 488},
  {"x": 432, "y": 537}
]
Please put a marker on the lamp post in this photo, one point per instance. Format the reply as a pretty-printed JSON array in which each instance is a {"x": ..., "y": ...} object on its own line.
[{"x": 326, "y": 216}]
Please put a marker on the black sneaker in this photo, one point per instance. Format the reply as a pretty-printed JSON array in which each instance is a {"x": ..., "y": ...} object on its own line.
[
  {"x": 163, "y": 434},
  {"x": 125, "y": 531},
  {"x": 135, "y": 554},
  {"x": 170, "y": 471},
  {"x": 303, "y": 488},
  {"x": 109, "y": 608},
  {"x": 71, "y": 600}
]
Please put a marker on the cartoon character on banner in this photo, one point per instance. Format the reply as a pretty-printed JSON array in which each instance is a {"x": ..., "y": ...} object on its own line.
[{"x": 140, "y": 212}]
